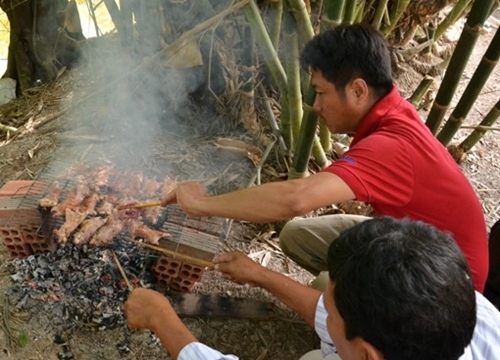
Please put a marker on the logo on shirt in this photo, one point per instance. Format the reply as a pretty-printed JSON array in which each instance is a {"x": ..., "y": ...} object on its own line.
[{"x": 347, "y": 158}]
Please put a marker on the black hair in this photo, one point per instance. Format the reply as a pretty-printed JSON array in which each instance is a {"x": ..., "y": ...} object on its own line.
[
  {"x": 405, "y": 288},
  {"x": 347, "y": 52}
]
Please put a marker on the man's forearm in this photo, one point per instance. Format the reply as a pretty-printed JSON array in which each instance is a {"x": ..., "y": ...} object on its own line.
[
  {"x": 171, "y": 331},
  {"x": 298, "y": 297},
  {"x": 260, "y": 204}
]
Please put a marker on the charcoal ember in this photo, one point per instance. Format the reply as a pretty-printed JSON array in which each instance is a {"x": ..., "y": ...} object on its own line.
[{"x": 80, "y": 284}]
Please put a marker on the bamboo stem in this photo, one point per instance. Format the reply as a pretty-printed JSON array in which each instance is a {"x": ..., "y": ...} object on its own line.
[
  {"x": 265, "y": 44},
  {"x": 139, "y": 206},
  {"x": 480, "y": 130},
  {"x": 124, "y": 276},
  {"x": 471, "y": 92},
  {"x": 174, "y": 254},
  {"x": 395, "y": 14},
  {"x": 451, "y": 18},
  {"x": 293, "y": 75},
  {"x": 272, "y": 119},
  {"x": 275, "y": 20},
  {"x": 421, "y": 90},
  {"x": 470, "y": 33}
]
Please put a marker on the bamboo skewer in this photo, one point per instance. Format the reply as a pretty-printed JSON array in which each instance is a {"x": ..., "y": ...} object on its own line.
[
  {"x": 174, "y": 254},
  {"x": 139, "y": 206},
  {"x": 127, "y": 282}
]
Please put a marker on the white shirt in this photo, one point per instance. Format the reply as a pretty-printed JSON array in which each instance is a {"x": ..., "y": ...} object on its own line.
[{"x": 485, "y": 344}]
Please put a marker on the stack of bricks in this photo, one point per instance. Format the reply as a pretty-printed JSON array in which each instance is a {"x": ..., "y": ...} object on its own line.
[
  {"x": 176, "y": 274},
  {"x": 20, "y": 219}
]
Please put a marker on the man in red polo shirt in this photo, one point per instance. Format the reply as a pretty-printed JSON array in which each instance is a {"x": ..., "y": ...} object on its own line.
[{"x": 394, "y": 162}]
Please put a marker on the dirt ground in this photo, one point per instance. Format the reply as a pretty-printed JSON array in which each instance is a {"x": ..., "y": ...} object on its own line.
[{"x": 86, "y": 94}]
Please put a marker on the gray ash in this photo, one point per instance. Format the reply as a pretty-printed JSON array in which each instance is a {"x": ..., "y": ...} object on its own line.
[{"x": 81, "y": 284}]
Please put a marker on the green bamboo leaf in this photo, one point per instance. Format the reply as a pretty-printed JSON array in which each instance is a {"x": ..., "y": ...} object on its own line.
[{"x": 23, "y": 339}]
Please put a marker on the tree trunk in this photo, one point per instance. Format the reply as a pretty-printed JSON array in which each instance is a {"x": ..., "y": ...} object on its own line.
[{"x": 44, "y": 38}]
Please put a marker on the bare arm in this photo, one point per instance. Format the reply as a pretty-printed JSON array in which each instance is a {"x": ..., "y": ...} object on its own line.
[
  {"x": 265, "y": 203},
  {"x": 243, "y": 270},
  {"x": 147, "y": 309}
]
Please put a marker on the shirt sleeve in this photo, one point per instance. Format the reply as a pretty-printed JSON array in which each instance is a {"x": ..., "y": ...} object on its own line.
[
  {"x": 199, "y": 351},
  {"x": 485, "y": 344},
  {"x": 327, "y": 346},
  {"x": 378, "y": 169}
]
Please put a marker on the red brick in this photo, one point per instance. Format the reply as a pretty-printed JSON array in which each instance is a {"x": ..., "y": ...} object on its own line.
[
  {"x": 180, "y": 276},
  {"x": 14, "y": 243},
  {"x": 182, "y": 285},
  {"x": 17, "y": 188},
  {"x": 43, "y": 248},
  {"x": 191, "y": 272},
  {"x": 17, "y": 210},
  {"x": 167, "y": 266}
]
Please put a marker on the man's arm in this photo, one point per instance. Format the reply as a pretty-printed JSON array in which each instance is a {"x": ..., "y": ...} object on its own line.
[
  {"x": 147, "y": 309},
  {"x": 265, "y": 203},
  {"x": 243, "y": 270}
]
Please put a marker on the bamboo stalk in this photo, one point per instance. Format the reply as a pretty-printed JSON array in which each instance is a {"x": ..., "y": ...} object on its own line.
[
  {"x": 481, "y": 130},
  {"x": 325, "y": 137},
  {"x": 333, "y": 13},
  {"x": 477, "y": 17},
  {"x": 421, "y": 90},
  {"x": 349, "y": 11},
  {"x": 306, "y": 139},
  {"x": 139, "y": 206},
  {"x": 272, "y": 119},
  {"x": 480, "y": 127},
  {"x": 397, "y": 10},
  {"x": 471, "y": 92},
  {"x": 455, "y": 14},
  {"x": 360, "y": 11},
  {"x": 275, "y": 20},
  {"x": 124, "y": 276},
  {"x": 266, "y": 46},
  {"x": 174, "y": 254},
  {"x": 291, "y": 56},
  {"x": 304, "y": 26}
]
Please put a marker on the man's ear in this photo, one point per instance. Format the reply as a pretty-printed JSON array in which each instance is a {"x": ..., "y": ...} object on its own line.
[
  {"x": 370, "y": 352},
  {"x": 358, "y": 89}
]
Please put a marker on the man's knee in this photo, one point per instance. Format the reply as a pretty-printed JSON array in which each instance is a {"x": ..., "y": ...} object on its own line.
[{"x": 289, "y": 236}]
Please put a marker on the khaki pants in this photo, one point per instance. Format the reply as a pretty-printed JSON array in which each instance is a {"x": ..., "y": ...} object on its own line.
[{"x": 306, "y": 240}]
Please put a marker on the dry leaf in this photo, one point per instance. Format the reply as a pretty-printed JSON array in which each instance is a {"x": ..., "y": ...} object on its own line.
[{"x": 187, "y": 55}]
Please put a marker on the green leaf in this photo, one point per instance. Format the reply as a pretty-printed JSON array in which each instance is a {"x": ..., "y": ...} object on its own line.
[{"x": 23, "y": 340}]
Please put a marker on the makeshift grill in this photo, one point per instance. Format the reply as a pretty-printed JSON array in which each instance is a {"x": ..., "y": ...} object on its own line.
[{"x": 27, "y": 228}]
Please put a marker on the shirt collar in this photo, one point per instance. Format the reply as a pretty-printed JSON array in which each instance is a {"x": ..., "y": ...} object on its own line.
[{"x": 371, "y": 120}]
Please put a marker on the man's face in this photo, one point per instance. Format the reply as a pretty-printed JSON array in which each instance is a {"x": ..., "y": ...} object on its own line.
[
  {"x": 339, "y": 109},
  {"x": 355, "y": 349}
]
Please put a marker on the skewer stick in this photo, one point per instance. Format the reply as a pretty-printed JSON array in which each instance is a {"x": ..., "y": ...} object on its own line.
[
  {"x": 174, "y": 254},
  {"x": 139, "y": 206},
  {"x": 127, "y": 282}
]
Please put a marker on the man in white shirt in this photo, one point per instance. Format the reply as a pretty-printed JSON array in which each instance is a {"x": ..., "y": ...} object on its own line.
[{"x": 398, "y": 290}]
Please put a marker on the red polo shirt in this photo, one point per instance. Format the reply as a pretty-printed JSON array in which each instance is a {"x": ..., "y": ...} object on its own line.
[{"x": 395, "y": 164}]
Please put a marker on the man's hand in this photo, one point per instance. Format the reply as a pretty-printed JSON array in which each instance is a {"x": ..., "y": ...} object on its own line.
[
  {"x": 240, "y": 268},
  {"x": 148, "y": 309},
  {"x": 186, "y": 194},
  {"x": 143, "y": 306}
]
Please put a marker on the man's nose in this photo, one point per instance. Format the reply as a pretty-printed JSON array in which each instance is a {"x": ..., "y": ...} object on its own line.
[{"x": 316, "y": 105}]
